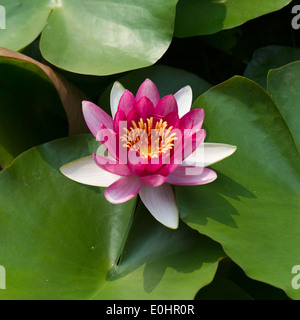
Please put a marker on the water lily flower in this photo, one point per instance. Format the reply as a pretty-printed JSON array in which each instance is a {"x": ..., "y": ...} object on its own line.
[{"x": 149, "y": 144}]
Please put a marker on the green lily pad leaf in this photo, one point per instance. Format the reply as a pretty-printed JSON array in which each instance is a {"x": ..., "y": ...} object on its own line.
[
  {"x": 63, "y": 243},
  {"x": 160, "y": 263},
  {"x": 66, "y": 243},
  {"x": 253, "y": 207},
  {"x": 194, "y": 17},
  {"x": 267, "y": 58},
  {"x": 95, "y": 37},
  {"x": 284, "y": 88},
  {"x": 37, "y": 105},
  {"x": 167, "y": 79},
  {"x": 24, "y": 22}
]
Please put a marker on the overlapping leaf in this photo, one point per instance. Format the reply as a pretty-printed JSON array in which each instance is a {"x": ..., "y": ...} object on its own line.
[
  {"x": 267, "y": 58},
  {"x": 37, "y": 105},
  {"x": 196, "y": 17},
  {"x": 253, "y": 207},
  {"x": 102, "y": 37},
  {"x": 24, "y": 22},
  {"x": 92, "y": 37},
  {"x": 284, "y": 88}
]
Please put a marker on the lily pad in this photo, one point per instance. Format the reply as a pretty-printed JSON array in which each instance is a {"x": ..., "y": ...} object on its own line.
[
  {"x": 66, "y": 243},
  {"x": 160, "y": 263},
  {"x": 24, "y": 22},
  {"x": 95, "y": 37},
  {"x": 284, "y": 88},
  {"x": 253, "y": 207},
  {"x": 37, "y": 105},
  {"x": 267, "y": 58},
  {"x": 194, "y": 17}
]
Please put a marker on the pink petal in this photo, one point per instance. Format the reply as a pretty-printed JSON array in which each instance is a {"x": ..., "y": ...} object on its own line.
[
  {"x": 136, "y": 164},
  {"x": 145, "y": 107},
  {"x": 196, "y": 116},
  {"x": 133, "y": 115},
  {"x": 172, "y": 119},
  {"x": 95, "y": 117},
  {"x": 144, "y": 167},
  {"x": 148, "y": 89},
  {"x": 120, "y": 116},
  {"x": 166, "y": 105},
  {"x": 154, "y": 166},
  {"x": 127, "y": 102},
  {"x": 154, "y": 180},
  {"x": 161, "y": 203},
  {"x": 186, "y": 122},
  {"x": 187, "y": 176},
  {"x": 183, "y": 147},
  {"x": 192, "y": 138},
  {"x": 123, "y": 189},
  {"x": 111, "y": 165},
  {"x": 171, "y": 163}
]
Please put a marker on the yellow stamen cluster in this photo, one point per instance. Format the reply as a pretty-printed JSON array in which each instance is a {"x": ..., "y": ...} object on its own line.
[{"x": 149, "y": 141}]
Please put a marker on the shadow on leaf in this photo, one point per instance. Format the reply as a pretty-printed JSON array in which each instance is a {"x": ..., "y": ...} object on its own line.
[
  {"x": 163, "y": 251},
  {"x": 197, "y": 204}
]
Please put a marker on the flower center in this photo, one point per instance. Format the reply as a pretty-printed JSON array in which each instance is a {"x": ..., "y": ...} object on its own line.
[{"x": 149, "y": 139}]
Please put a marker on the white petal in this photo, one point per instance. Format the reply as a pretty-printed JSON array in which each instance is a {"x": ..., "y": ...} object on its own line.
[
  {"x": 86, "y": 171},
  {"x": 160, "y": 201},
  {"x": 209, "y": 153},
  {"x": 184, "y": 98},
  {"x": 115, "y": 96},
  {"x": 123, "y": 190}
]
